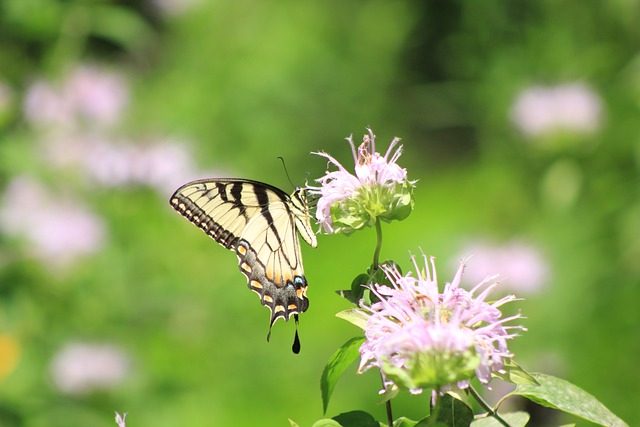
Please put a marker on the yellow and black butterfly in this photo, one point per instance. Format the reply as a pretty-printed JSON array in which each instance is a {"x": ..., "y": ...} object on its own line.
[{"x": 261, "y": 224}]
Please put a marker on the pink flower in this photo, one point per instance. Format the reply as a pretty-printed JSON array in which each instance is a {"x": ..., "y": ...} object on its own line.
[
  {"x": 57, "y": 229},
  {"x": 572, "y": 107},
  {"x": 522, "y": 266},
  {"x": 379, "y": 190},
  {"x": 121, "y": 419},
  {"x": 44, "y": 105},
  {"x": 80, "y": 368},
  {"x": 161, "y": 165},
  {"x": 97, "y": 95},
  {"x": 89, "y": 96},
  {"x": 422, "y": 338}
]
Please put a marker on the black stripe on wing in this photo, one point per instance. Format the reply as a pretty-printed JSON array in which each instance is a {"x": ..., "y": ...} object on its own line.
[{"x": 185, "y": 206}]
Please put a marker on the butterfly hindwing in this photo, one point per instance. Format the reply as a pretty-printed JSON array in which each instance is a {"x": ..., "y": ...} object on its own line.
[{"x": 261, "y": 224}]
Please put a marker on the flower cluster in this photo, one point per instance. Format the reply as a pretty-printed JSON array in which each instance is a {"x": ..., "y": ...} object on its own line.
[
  {"x": 90, "y": 95},
  {"x": 379, "y": 190},
  {"x": 522, "y": 266},
  {"x": 571, "y": 107},
  {"x": 421, "y": 338},
  {"x": 58, "y": 228},
  {"x": 80, "y": 368}
]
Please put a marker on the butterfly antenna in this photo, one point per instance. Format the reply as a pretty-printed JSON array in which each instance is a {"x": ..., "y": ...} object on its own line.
[
  {"x": 296, "y": 341},
  {"x": 286, "y": 172}
]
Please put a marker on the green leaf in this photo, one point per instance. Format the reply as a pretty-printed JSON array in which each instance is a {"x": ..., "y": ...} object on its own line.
[
  {"x": 426, "y": 423},
  {"x": 349, "y": 296},
  {"x": 293, "y": 423},
  {"x": 451, "y": 412},
  {"x": 404, "y": 422},
  {"x": 341, "y": 359},
  {"x": 454, "y": 412},
  {"x": 326, "y": 422},
  {"x": 354, "y": 316},
  {"x": 356, "y": 419},
  {"x": 357, "y": 286},
  {"x": 514, "y": 419},
  {"x": 120, "y": 25},
  {"x": 562, "y": 395},
  {"x": 515, "y": 374}
]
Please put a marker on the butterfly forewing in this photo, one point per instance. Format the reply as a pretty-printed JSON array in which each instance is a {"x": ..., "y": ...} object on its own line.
[{"x": 260, "y": 223}]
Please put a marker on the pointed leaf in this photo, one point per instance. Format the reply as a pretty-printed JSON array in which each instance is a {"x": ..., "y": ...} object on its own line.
[
  {"x": 451, "y": 412},
  {"x": 120, "y": 25},
  {"x": 404, "y": 422},
  {"x": 358, "y": 286},
  {"x": 514, "y": 419},
  {"x": 341, "y": 359},
  {"x": 426, "y": 422},
  {"x": 349, "y": 296},
  {"x": 515, "y": 374},
  {"x": 326, "y": 422},
  {"x": 559, "y": 394},
  {"x": 355, "y": 316},
  {"x": 454, "y": 412},
  {"x": 356, "y": 419},
  {"x": 293, "y": 423}
]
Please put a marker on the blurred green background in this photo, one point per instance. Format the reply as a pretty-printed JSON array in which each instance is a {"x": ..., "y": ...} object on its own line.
[{"x": 520, "y": 120}]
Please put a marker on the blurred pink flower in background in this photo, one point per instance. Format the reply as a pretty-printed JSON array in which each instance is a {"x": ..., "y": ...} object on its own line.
[
  {"x": 97, "y": 95},
  {"x": 161, "y": 164},
  {"x": 79, "y": 114},
  {"x": 522, "y": 266},
  {"x": 80, "y": 368},
  {"x": 89, "y": 95},
  {"x": 572, "y": 107},
  {"x": 173, "y": 8},
  {"x": 57, "y": 229},
  {"x": 45, "y": 105}
]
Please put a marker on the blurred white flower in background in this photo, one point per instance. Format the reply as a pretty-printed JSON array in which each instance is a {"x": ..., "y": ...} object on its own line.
[
  {"x": 57, "y": 229},
  {"x": 572, "y": 107},
  {"x": 523, "y": 268},
  {"x": 80, "y": 368},
  {"x": 90, "y": 95}
]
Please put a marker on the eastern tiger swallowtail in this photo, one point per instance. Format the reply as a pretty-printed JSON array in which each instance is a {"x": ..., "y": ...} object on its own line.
[{"x": 260, "y": 223}]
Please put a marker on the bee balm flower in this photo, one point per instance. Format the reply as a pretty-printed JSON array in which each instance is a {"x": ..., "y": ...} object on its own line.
[
  {"x": 379, "y": 190},
  {"x": 421, "y": 338}
]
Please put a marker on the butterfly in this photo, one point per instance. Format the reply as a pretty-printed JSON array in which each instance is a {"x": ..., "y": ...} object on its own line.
[{"x": 260, "y": 223}]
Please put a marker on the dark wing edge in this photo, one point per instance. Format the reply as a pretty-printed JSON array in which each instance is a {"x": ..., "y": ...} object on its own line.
[{"x": 279, "y": 280}]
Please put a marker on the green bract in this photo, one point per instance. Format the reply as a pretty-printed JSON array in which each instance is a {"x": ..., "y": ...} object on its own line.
[{"x": 371, "y": 203}]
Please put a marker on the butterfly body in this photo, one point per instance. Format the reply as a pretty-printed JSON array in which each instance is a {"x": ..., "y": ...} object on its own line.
[{"x": 260, "y": 223}]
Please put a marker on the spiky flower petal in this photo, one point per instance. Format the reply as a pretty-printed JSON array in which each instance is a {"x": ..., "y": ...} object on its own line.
[
  {"x": 379, "y": 189},
  {"x": 422, "y": 338}
]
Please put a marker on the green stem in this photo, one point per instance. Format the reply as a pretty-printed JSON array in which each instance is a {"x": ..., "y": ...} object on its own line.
[
  {"x": 387, "y": 404},
  {"x": 376, "y": 254},
  {"x": 486, "y": 406},
  {"x": 434, "y": 407}
]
